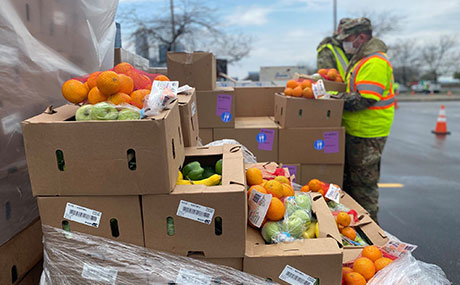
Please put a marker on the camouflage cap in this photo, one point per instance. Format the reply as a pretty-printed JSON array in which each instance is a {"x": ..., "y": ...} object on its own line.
[{"x": 354, "y": 26}]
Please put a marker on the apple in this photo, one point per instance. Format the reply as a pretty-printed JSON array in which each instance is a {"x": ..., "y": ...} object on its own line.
[
  {"x": 270, "y": 231},
  {"x": 128, "y": 114},
  {"x": 84, "y": 113},
  {"x": 303, "y": 201},
  {"x": 303, "y": 215},
  {"x": 104, "y": 111},
  {"x": 294, "y": 226}
]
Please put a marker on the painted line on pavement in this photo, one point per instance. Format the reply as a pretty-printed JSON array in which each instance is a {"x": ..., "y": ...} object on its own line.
[{"x": 390, "y": 185}]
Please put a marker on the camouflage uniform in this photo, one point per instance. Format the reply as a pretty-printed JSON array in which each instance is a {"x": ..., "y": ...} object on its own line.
[
  {"x": 362, "y": 155},
  {"x": 325, "y": 58}
]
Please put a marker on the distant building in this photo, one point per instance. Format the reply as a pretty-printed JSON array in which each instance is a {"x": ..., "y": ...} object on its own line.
[{"x": 142, "y": 46}]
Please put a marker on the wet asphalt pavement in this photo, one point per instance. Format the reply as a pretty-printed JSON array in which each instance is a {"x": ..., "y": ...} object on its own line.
[{"x": 426, "y": 211}]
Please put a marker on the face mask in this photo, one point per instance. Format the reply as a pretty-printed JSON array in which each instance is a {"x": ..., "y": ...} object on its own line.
[{"x": 348, "y": 47}]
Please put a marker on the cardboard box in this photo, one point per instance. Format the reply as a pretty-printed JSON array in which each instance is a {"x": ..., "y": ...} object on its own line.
[
  {"x": 197, "y": 69},
  {"x": 20, "y": 254},
  {"x": 33, "y": 276},
  {"x": 206, "y": 136},
  {"x": 217, "y": 108},
  {"x": 207, "y": 238},
  {"x": 319, "y": 258},
  {"x": 292, "y": 112},
  {"x": 335, "y": 86},
  {"x": 158, "y": 70},
  {"x": 294, "y": 169},
  {"x": 119, "y": 216},
  {"x": 312, "y": 145},
  {"x": 233, "y": 262},
  {"x": 255, "y": 101},
  {"x": 139, "y": 62},
  {"x": 258, "y": 134},
  {"x": 189, "y": 118},
  {"x": 330, "y": 173},
  {"x": 99, "y": 155}
]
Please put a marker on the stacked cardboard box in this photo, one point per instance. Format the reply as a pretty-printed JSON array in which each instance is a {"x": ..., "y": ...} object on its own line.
[{"x": 189, "y": 117}]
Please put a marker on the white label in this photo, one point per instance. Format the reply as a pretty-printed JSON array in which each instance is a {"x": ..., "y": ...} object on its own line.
[
  {"x": 296, "y": 277},
  {"x": 398, "y": 248},
  {"x": 318, "y": 89},
  {"x": 193, "y": 108},
  {"x": 11, "y": 124},
  {"x": 98, "y": 273},
  {"x": 258, "y": 206},
  {"x": 82, "y": 215},
  {"x": 195, "y": 212},
  {"x": 192, "y": 277},
  {"x": 184, "y": 89},
  {"x": 333, "y": 193},
  {"x": 162, "y": 85}
]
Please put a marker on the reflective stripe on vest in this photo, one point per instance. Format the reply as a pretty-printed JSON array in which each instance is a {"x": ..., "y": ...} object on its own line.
[
  {"x": 340, "y": 58},
  {"x": 352, "y": 80}
]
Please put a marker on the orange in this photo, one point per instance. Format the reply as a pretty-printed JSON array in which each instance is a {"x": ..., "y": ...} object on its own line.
[
  {"x": 95, "y": 96},
  {"x": 308, "y": 93},
  {"x": 92, "y": 79},
  {"x": 254, "y": 176},
  {"x": 321, "y": 191},
  {"x": 365, "y": 267},
  {"x": 354, "y": 278},
  {"x": 119, "y": 98},
  {"x": 275, "y": 188},
  {"x": 161, "y": 78},
  {"x": 287, "y": 190},
  {"x": 315, "y": 185},
  {"x": 74, "y": 91},
  {"x": 275, "y": 210},
  {"x": 283, "y": 179},
  {"x": 137, "y": 97},
  {"x": 345, "y": 270},
  {"x": 372, "y": 252},
  {"x": 297, "y": 92},
  {"x": 332, "y": 74},
  {"x": 340, "y": 227},
  {"x": 123, "y": 68},
  {"x": 292, "y": 84},
  {"x": 126, "y": 84},
  {"x": 263, "y": 182},
  {"x": 258, "y": 188},
  {"x": 305, "y": 84},
  {"x": 349, "y": 232},
  {"x": 343, "y": 219},
  {"x": 322, "y": 71},
  {"x": 382, "y": 263},
  {"x": 140, "y": 81},
  {"x": 108, "y": 82},
  {"x": 305, "y": 188},
  {"x": 288, "y": 91},
  {"x": 339, "y": 79}
]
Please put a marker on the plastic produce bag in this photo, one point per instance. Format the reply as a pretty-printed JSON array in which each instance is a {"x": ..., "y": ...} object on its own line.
[
  {"x": 248, "y": 156},
  {"x": 76, "y": 258},
  {"x": 162, "y": 94}
]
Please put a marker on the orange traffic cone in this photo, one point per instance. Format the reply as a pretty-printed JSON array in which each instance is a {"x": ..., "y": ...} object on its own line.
[{"x": 441, "y": 125}]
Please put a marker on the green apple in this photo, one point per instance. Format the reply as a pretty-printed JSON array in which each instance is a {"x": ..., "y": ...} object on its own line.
[
  {"x": 303, "y": 215},
  {"x": 104, "y": 111},
  {"x": 84, "y": 113},
  {"x": 303, "y": 201},
  {"x": 294, "y": 226},
  {"x": 270, "y": 231},
  {"x": 128, "y": 114}
]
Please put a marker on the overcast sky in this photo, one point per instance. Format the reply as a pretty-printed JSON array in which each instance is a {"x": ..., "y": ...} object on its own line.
[{"x": 287, "y": 32}]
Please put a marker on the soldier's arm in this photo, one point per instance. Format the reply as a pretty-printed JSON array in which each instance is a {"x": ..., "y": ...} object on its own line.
[
  {"x": 355, "y": 102},
  {"x": 326, "y": 59}
]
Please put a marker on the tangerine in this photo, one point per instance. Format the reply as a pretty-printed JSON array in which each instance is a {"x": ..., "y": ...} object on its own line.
[
  {"x": 137, "y": 97},
  {"x": 349, "y": 232},
  {"x": 283, "y": 179},
  {"x": 343, "y": 219},
  {"x": 305, "y": 188},
  {"x": 92, "y": 79},
  {"x": 354, "y": 278},
  {"x": 126, "y": 84},
  {"x": 297, "y": 92},
  {"x": 275, "y": 188},
  {"x": 332, "y": 74},
  {"x": 108, "y": 82},
  {"x": 258, "y": 188},
  {"x": 95, "y": 96},
  {"x": 305, "y": 84},
  {"x": 123, "y": 68},
  {"x": 288, "y": 91},
  {"x": 308, "y": 93},
  {"x": 372, "y": 252},
  {"x": 292, "y": 84},
  {"x": 346, "y": 270},
  {"x": 161, "y": 78},
  {"x": 365, "y": 267},
  {"x": 119, "y": 98},
  {"x": 74, "y": 91},
  {"x": 276, "y": 210},
  {"x": 287, "y": 190},
  {"x": 315, "y": 185},
  {"x": 254, "y": 176},
  {"x": 382, "y": 263},
  {"x": 322, "y": 71}
]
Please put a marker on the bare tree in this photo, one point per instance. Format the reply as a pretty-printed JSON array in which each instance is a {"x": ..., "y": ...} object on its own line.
[
  {"x": 383, "y": 22},
  {"x": 440, "y": 56},
  {"x": 189, "y": 26},
  {"x": 405, "y": 58}
]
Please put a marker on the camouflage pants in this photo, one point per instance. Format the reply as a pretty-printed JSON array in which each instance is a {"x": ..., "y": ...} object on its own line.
[{"x": 362, "y": 171}]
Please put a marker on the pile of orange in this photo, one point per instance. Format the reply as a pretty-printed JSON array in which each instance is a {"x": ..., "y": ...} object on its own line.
[
  {"x": 279, "y": 187},
  {"x": 315, "y": 185},
  {"x": 299, "y": 88},
  {"x": 365, "y": 267},
  {"x": 330, "y": 74},
  {"x": 122, "y": 85},
  {"x": 343, "y": 221}
]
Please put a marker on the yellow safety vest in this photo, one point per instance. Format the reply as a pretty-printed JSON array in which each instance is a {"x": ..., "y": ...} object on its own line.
[
  {"x": 340, "y": 58},
  {"x": 372, "y": 77}
]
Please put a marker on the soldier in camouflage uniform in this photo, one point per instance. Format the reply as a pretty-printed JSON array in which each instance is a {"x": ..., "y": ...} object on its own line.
[
  {"x": 368, "y": 111},
  {"x": 325, "y": 57}
]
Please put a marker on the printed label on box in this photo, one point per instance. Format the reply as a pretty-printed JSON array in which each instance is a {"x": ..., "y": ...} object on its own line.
[
  {"x": 292, "y": 169},
  {"x": 296, "y": 277},
  {"x": 82, "y": 215},
  {"x": 318, "y": 144},
  {"x": 193, "y": 107},
  {"x": 265, "y": 139},
  {"x": 226, "y": 117},
  {"x": 192, "y": 277},
  {"x": 258, "y": 206},
  {"x": 224, "y": 104},
  {"x": 333, "y": 193},
  {"x": 195, "y": 212},
  {"x": 331, "y": 142},
  {"x": 99, "y": 273}
]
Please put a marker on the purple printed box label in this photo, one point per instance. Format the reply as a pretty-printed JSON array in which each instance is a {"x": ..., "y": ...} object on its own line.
[
  {"x": 331, "y": 142},
  {"x": 265, "y": 139},
  {"x": 224, "y": 104},
  {"x": 292, "y": 169}
]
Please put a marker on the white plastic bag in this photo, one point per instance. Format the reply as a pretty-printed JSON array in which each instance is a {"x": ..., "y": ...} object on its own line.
[{"x": 161, "y": 95}]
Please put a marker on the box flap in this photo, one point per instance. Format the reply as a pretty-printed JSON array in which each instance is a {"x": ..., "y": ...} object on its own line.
[
  {"x": 327, "y": 225},
  {"x": 255, "y": 122}
]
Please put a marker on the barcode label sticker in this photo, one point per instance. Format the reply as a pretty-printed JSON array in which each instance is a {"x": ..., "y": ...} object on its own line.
[
  {"x": 82, "y": 215},
  {"x": 99, "y": 273},
  {"x": 333, "y": 193},
  {"x": 192, "y": 277},
  {"x": 258, "y": 206},
  {"x": 398, "y": 248},
  {"x": 195, "y": 212},
  {"x": 296, "y": 277}
]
